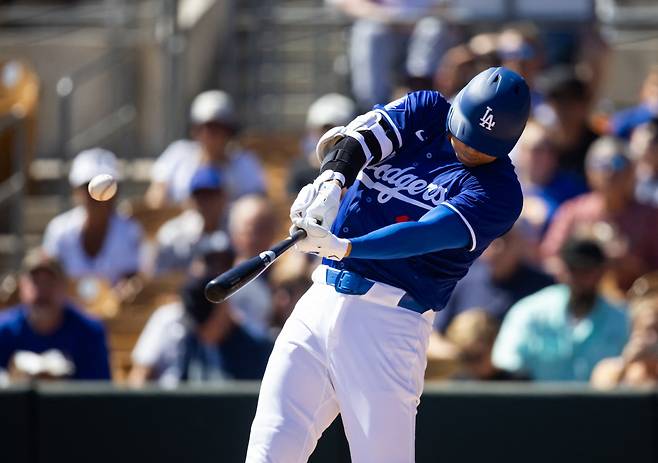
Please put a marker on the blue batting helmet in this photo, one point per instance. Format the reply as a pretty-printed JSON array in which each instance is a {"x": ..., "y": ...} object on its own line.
[{"x": 490, "y": 113}]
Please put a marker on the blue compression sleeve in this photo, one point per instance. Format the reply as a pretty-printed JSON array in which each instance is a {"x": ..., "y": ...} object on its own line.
[{"x": 441, "y": 228}]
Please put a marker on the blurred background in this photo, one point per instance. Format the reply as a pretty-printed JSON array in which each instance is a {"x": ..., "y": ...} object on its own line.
[{"x": 208, "y": 113}]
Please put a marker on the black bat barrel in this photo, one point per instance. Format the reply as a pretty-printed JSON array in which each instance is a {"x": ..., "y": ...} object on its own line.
[
  {"x": 226, "y": 284},
  {"x": 232, "y": 280}
]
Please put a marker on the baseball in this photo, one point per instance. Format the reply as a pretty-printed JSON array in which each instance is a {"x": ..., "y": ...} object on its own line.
[{"x": 102, "y": 187}]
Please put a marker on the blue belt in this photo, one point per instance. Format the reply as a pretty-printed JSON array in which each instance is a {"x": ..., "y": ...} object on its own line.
[{"x": 346, "y": 282}]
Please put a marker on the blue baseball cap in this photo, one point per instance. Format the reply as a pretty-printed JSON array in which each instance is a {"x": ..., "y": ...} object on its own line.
[
  {"x": 206, "y": 178},
  {"x": 608, "y": 154},
  {"x": 490, "y": 113}
]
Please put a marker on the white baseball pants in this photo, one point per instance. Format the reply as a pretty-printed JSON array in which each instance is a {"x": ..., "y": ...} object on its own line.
[{"x": 360, "y": 356}]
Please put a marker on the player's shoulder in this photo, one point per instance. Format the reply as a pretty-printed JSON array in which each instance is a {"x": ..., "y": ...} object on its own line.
[
  {"x": 498, "y": 182},
  {"x": 418, "y": 101}
]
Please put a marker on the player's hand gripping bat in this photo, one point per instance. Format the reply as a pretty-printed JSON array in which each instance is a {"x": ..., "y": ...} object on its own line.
[{"x": 229, "y": 282}]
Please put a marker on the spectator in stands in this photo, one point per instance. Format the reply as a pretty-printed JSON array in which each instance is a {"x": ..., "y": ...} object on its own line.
[
  {"x": 519, "y": 49},
  {"x": 545, "y": 186},
  {"x": 328, "y": 111},
  {"x": 473, "y": 333},
  {"x": 623, "y": 122},
  {"x": 92, "y": 239},
  {"x": 610, "y": 209},
  {"x": 46, "y": 323},
  {"x": 644, "y": 148},
  {"x": 251, "y": 226},
  {"x": 495, "y": 282},
  {"x": 563, "y": 331},
  {"x": 214, "y": 129},
  {"x": 455, "y": 70},
  {"x": 638, "y": 364},
  {"x": 462, "y": 62},
  {"x": 178, "y": 239},
  {"x": 197, "y": 341},
  {"x": 383, "y": 31},
  {"x": 566, "y": 113}
]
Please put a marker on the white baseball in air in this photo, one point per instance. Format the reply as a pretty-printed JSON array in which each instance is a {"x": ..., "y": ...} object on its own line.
[{"x": 102, "y": 187}]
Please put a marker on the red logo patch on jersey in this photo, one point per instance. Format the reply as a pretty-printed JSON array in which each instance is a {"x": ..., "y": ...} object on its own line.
[{"x": 402, "y": 218}]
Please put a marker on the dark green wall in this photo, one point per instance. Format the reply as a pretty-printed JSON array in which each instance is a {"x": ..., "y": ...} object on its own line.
[{"x": 458, "y": 423}]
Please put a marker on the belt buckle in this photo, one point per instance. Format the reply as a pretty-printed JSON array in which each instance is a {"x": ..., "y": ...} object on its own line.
[{"x": 345, "y": 276}]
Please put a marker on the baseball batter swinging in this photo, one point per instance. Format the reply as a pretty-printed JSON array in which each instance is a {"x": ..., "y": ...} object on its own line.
[{"x": 429, "y": 186}]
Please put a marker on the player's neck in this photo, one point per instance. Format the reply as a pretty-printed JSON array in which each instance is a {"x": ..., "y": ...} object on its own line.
[
  {"x": 468, "y": 156},
  {"x": 472, "y": 160}
]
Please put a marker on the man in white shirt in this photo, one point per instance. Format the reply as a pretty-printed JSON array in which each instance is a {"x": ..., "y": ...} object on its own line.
[
  {"x": 195, "y": 340},
  {"x": 92, "y": 239},
  {"x": 214, "y": 128},
  {"x": 178, "y": 239}
]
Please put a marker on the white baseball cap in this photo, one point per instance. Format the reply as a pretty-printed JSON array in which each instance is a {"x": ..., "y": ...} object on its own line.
[
  {"x": 90, "y": 163},
  {"x": 331, "y": 109},
  {"x": 213, "y": 106}
]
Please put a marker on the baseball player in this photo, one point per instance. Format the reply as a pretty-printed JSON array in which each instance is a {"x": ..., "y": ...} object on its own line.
[{"x": 429, "y": 186}]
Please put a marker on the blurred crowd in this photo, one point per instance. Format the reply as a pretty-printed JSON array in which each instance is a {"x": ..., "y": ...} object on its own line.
[{"x": 569, "y": 294}]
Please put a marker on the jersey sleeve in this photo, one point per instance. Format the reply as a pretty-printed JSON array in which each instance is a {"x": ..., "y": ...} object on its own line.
[
  {"x": 488, "y": 206},
  {"x": 416, "y": 117}
]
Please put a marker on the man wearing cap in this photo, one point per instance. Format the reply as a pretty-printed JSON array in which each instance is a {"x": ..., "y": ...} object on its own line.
[
  {"x": 561, "y": 332},
  {"x": 429, "y": 187},
  {"x": 45, "y": 321},
  {"x": 214, "y": 128},
  {"x": 179, "y": 238},
  {"x": 610, "y": 208},
  {"x": 92, "y": 239},
  {"x": 330, "y": 110}
]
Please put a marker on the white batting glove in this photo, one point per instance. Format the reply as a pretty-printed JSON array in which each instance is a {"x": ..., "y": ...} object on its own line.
[
  {"x": 304, "y": 199},
  {"x": 319, "y": 200},
  {"x": 324, "y": 207},
  {"x": 321, "y": 242}
]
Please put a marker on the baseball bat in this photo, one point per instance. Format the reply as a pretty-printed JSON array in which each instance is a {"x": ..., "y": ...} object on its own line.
[{"x": 229, "y": 282}]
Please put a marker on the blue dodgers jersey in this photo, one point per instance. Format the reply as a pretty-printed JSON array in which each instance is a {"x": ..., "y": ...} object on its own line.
[{"x": 423, "y": 174}]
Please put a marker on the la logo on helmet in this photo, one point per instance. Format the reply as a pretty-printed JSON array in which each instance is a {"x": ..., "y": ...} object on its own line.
[{"x": 487, "y": 120}]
